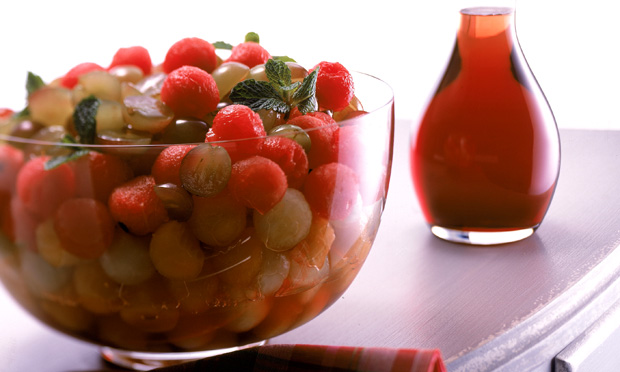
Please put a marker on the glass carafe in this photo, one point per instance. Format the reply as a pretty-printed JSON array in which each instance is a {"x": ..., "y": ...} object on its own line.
[{"x": 485, "y": 157}]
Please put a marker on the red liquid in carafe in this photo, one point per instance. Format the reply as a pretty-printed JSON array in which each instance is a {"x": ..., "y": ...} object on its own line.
[{"x": 486, "y": 156}]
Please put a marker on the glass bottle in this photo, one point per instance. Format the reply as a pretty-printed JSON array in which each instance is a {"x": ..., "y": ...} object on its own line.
[{"x": 485, "y": 157}]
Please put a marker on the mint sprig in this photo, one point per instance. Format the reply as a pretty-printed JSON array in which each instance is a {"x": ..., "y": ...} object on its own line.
[
  {"x": 76, "y": 153},
  {"x": 84, "y": 120},
  {"x": 222, "y": 45},
  {"x": 33, "y": 83},
  {"x": 279, "y": 93},
  {"x": 252, "y": 36}
]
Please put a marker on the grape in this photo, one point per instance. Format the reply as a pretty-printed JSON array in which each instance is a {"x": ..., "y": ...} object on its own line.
[
  {"x": 69, "y": 316},
  {"x": 24, "y": 129},
  {"x": 255, "y": 312},
  {"x": 151, "y": 85},
  {"x": 227, "y": 75},
  {"x": 293, "y": 132},
  {"x": 286, "y": 224},
  {"x": 218, "y": 221},
  {"x": 175, "y": 252},
  {"x": 178, "y": 202},
  {"x": 96, "y": 291},
  {"x": 115, "y": 138},
  {"x": 112, "y": 330},
  {"x": 127, "y": 260},
  {"x": 109, "y": 116},
  {"x": 121, "y": 138},
  {"x": 354, "y": 106},
  {"x": 127, "y": 73},
  {"x": 240, "y": 264},
  {"x": 185, "y": 130},
  {"x": 98, "y": 83},
  {"x": 128, "y": 89},
  {"x": 41, "y": 277},
  {"x": 145, "y": 113},
  {"x": 298, "y": 72},
  {"x": 205, "y": 170},
  {"x": 197, "y": 295},
  {"x": 49, "y": 246},
  {"x": 149, "y": 306},
  {"x": 271, "y": 118},
  {"x": 53, "y": 134},
  {"x": 51, "y": 106},
  {"x": 274, "y": 270}
]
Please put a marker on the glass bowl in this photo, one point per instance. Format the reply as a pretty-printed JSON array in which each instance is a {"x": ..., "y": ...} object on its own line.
[{"x": 95, "y": 245}]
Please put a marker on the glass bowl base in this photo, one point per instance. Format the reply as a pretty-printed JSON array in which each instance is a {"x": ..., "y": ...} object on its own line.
[
  {"x": 145, "y": 361},
  {"x": 474, "y": 237}
]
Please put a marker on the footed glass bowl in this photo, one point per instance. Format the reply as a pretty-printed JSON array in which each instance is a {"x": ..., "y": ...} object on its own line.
[{"x": 163, "y": 252}]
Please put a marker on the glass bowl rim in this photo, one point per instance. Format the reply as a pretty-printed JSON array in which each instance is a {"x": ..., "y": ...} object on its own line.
[{"x": 387, "y": 101}]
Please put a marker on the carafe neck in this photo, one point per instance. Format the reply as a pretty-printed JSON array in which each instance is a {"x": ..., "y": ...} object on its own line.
[{"x": 486, "y": 38}]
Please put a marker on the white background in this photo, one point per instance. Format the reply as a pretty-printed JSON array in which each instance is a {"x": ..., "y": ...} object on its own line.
[{"x": 571, "y": 46}]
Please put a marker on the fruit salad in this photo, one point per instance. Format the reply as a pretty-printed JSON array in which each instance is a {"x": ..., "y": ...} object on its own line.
[{"x": 201, "y": 203}]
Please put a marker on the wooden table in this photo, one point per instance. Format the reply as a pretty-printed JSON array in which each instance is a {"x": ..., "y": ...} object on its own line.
[{"x": 552, "y": 298}]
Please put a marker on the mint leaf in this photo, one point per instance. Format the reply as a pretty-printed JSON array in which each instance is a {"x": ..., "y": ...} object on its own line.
[
  {"x": 252, "y": 36},
  {"x": 258, "y": 95},
  {"x": 33, "y": 83},
  {"x": 69, "y": 139},
  {"x": 305, "y": 96},
  {"x": 284, "y": 59},
  {"x": 76, "y": 153},
  {"x": 61, "y": 159},
  {"x": 280, "y": 93},
  {"x": 222, "y": 45},
  {"x": 24, "y": 113},
  {"x": 84, "y": 119},
  {"x": 278, "y": 73}
]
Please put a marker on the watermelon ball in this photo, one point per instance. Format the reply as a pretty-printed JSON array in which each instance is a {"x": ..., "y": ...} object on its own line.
[
  {"x": 70, "y": 79},
  {"x": 11, "y": 160},
  {"x": 190, "y": 91},
  {"x": 136, "y": 205},
  {"x": 238, "y": 122},
  {"x": 84, "y": 227},
  {"x": 258, "y": 183},
  {"x": 97, "y": 174},
  {"x": 323, "y": 137},
  {"x": 40, "y": 190},
  {"x": 290, "y": 156},
  {"x": 135, "y": 56},
  {"x": 334, "y": 86},
  {"x": 7, "y": 224},
  {"x": 249, "y": 53},
  {"x": 325, "y": 118},
  {"x": 6, "y": 113},
  {"x": 166, "y": 168},
  {"x": 191, "y": 51},
  {"x": 332, "y": 190}
]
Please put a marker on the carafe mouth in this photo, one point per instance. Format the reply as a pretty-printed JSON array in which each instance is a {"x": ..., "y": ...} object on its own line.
[{"x": 487, "y": 10}]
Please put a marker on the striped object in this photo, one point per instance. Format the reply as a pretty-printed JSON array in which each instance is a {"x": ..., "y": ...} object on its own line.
[{"x": 305, "y": 358}]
